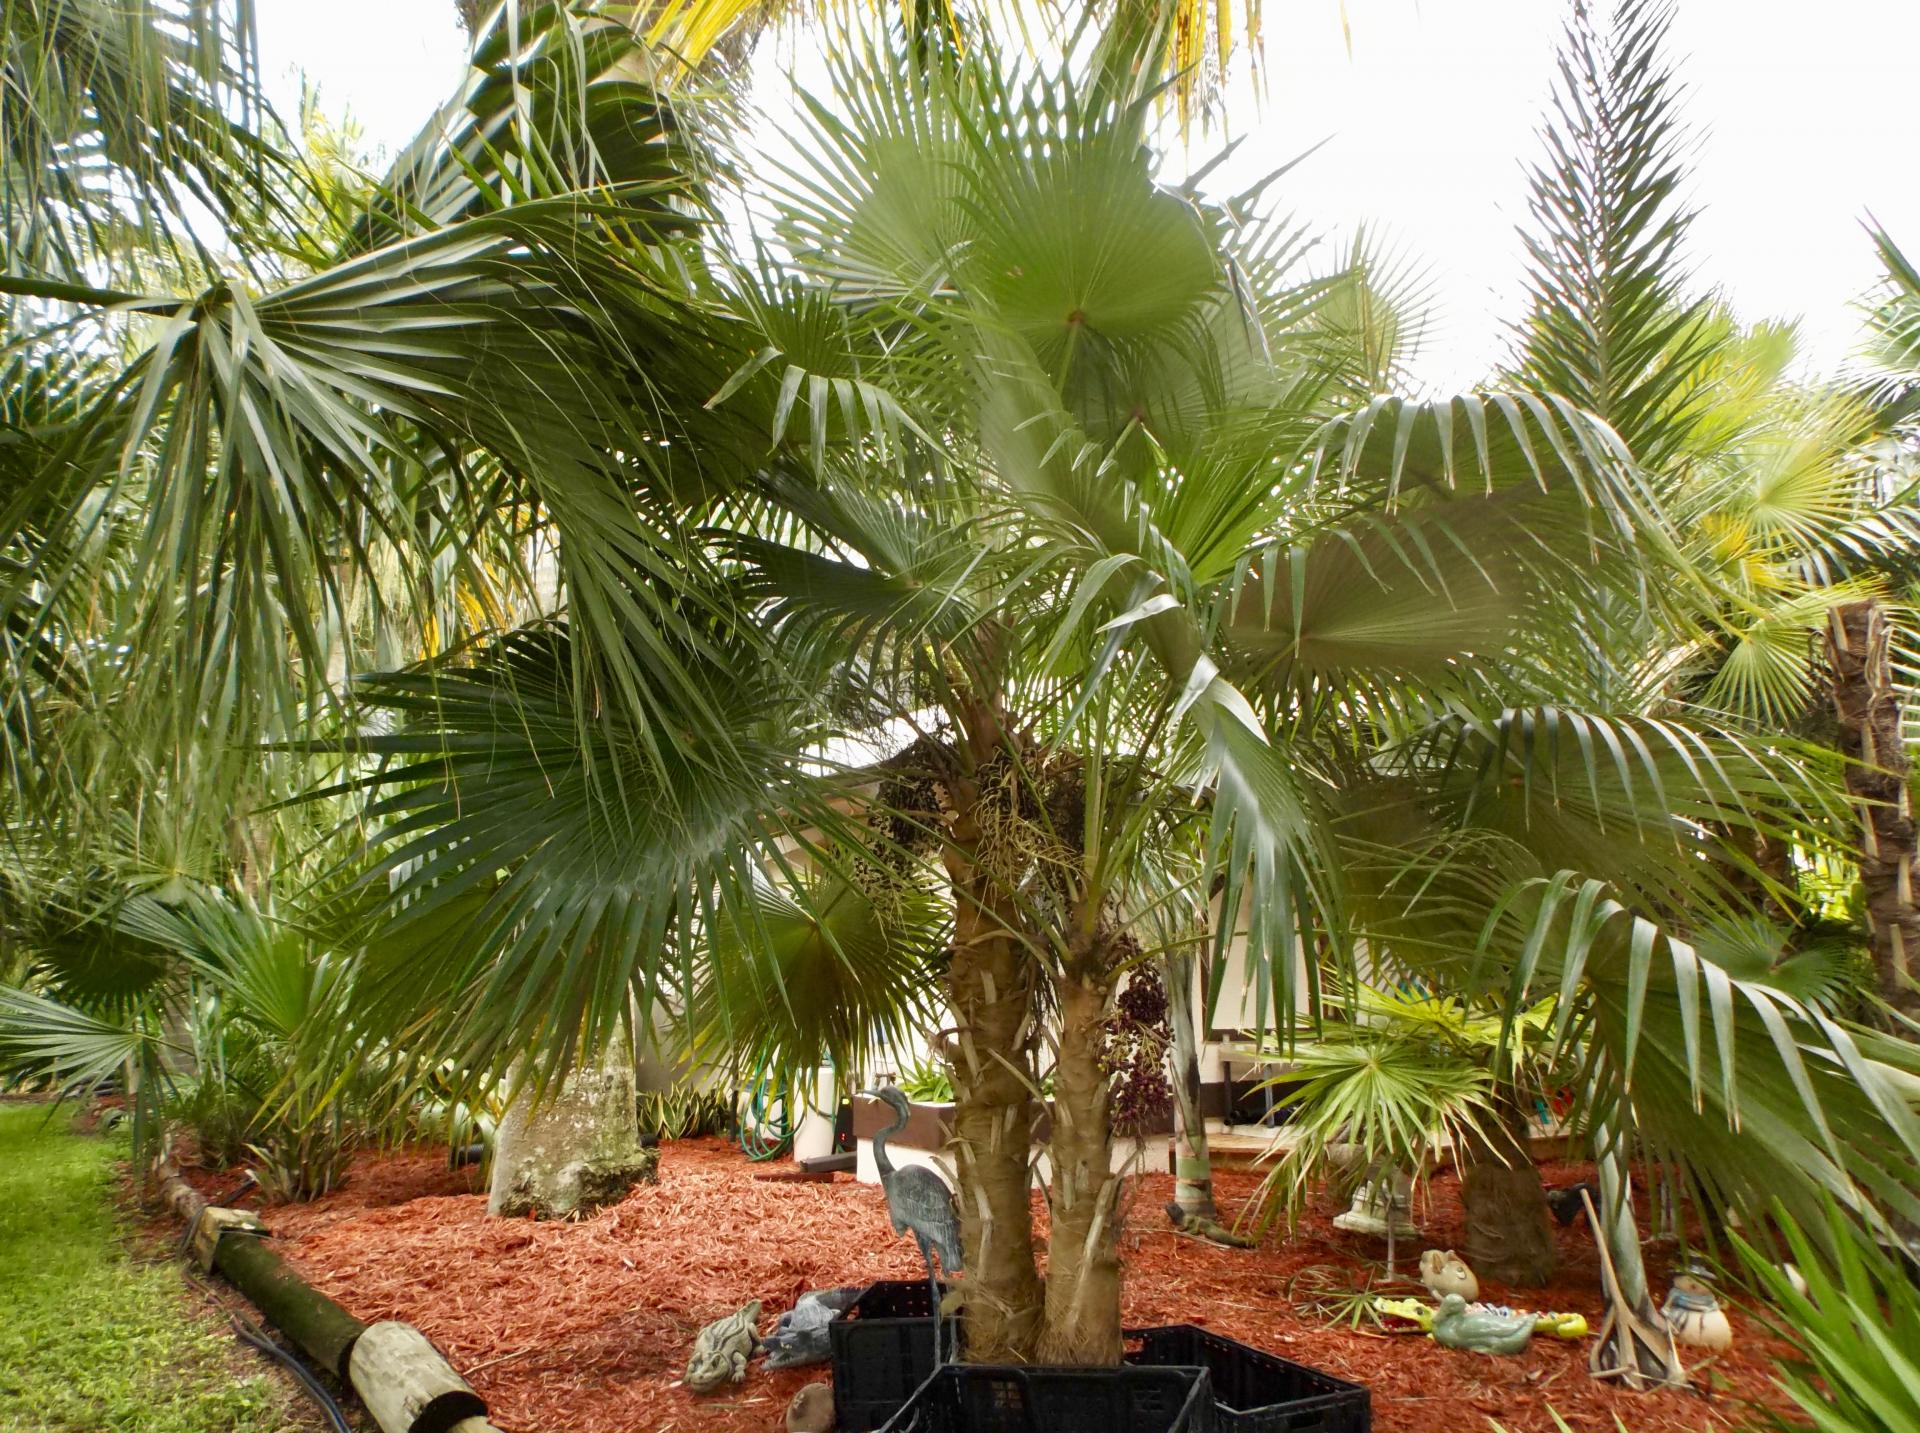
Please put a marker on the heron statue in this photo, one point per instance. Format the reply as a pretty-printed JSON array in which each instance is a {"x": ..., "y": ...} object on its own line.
[{"x": 920, "y": 1204}]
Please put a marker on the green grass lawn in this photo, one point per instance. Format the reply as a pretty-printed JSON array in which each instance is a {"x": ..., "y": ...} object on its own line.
[{"x": 89, "y": 1339}]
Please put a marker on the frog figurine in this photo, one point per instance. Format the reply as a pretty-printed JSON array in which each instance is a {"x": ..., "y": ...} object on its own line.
[
  {"x": 1480, "y": 1330},
  {"x": 721, "y": 1350}
]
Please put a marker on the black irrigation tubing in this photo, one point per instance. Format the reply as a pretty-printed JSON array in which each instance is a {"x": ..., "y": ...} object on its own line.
[
  {"x": 251, "y": 1334},
  {"x": 247, "y": 1181}
]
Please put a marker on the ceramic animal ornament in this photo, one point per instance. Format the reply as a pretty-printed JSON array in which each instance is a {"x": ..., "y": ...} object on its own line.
[
  {"x": 1695, "y": 1315},
  {"x": 1447, "y": 1273},
  {"x": 721, "y": 1350},
  {"x": 1480, "y": 1330},
  {"x": 799, "y": 1335},
  {"x": 811, "y": 1410}
]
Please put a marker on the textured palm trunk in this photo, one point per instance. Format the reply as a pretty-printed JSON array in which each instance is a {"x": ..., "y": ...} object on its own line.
[
  {"x": 989, "y": 988},
  {"x": 1508, "y": 1236},
  {"x": 1192, "y": 1161},
  {"x": 1083, "y": 1261},
  {"x": 1870, "y": 738},
  {"x": 576, "y": 1151},
  {"x": 1638, "y": 1349}
]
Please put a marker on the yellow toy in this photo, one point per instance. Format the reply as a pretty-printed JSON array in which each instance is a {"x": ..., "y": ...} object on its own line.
[{"x": 1409, "y": 1315}]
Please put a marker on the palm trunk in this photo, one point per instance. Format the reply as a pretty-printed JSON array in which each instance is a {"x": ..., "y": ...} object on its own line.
[
  {"x": 1508, "y": 1236},
  {"x": 1192, "y": 1162},
  {"x": 989, "y": 988},
  {"x": 578, "y": 1149},
  {"x": 1870, "y": 738},
  {"x": 1639, "y": 1350},
  {"x": 1083, "y": 1265}
]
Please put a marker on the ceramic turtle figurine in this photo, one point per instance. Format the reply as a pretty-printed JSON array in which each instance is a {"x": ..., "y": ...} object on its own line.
[
  {"x": 1480, "y": 1330},
  {"x": 721, "y": 1350}
]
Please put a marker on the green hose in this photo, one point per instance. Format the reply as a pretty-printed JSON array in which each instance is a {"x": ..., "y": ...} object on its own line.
[{"x": 761, "y": 1137}]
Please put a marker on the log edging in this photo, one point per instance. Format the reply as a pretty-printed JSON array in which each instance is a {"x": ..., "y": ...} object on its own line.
[{"x": 404, "y": 1381}]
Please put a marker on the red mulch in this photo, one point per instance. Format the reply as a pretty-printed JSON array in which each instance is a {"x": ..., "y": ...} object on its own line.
[{"x": 585, "y": 1327}]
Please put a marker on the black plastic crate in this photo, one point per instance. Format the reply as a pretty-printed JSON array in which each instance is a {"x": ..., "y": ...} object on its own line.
[
  {"x": 883, "y": 1351},
  {"x": 1255, "y": 1391},
  {"x": 990, "y": 1398}
]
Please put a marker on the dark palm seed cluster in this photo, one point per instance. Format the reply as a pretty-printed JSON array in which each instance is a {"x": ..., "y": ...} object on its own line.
[{"x": 1138, "y": 1034}]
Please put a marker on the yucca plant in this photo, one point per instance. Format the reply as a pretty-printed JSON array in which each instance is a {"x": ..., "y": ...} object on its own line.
[{"x": 1855, "y": 1327}]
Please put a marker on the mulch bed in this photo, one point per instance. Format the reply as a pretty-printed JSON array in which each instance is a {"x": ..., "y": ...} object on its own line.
[{"x": 585, "y": 1327}]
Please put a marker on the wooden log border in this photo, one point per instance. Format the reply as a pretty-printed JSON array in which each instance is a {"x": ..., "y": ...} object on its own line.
[{"x": 402, "y": 1378}]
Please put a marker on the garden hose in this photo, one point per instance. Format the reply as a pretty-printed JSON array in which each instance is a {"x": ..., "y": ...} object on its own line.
[
  {"x": 329, "y": 1409},
  {"x": 765, "y": 1139}
]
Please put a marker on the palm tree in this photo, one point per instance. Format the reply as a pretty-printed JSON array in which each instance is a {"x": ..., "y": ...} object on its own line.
[
  {"x": 1061, "y": 501},
  {"x": 1775, "y": 513},
  {"x": 912, "y": 583}
]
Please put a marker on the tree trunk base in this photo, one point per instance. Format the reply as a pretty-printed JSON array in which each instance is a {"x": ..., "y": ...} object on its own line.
[
  {"x": 1509, "y": 1237},
  {"x": 577, "y": 1152}
]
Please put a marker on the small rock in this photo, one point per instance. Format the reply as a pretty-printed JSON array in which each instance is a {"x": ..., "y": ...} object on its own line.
[
  {"x": 811, "y": 1410},
  {"x": 579, "y": 1187}
]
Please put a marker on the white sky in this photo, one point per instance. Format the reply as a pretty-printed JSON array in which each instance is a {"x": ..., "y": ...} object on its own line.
[{"x": 1804, "y": 117}]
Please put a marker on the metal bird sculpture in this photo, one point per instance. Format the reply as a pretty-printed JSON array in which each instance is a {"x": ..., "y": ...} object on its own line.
[{"x": 919, "y": 1202}]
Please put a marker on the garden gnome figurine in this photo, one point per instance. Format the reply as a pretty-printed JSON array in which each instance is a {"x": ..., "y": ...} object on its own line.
[
  {"x": 1447, "y": 1273},
  {"x": 811, "y": 1410},
  {"x": 721, "y": 1350},
  {"x": 1480, "y": 1330},
  {"x": 1695, "y": 1315}
]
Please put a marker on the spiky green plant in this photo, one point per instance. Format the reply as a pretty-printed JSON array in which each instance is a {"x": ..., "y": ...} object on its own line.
[{"x": 1855, "y": 1329}]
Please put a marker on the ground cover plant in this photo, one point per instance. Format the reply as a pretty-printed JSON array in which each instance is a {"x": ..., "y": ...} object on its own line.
[{"x": 97, "y": 1334}]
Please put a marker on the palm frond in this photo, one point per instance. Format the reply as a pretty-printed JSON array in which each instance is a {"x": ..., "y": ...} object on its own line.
[
  {"x": 534, "y": 871},
  {"x": 119, "y": 122},
  {"x": 1611, "y": 328}
]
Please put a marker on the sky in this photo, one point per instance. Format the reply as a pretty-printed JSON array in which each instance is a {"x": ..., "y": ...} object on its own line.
[{"x": 1801, "y": 118}]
